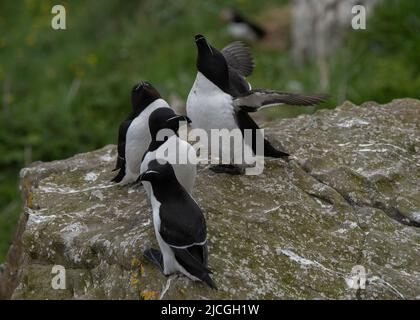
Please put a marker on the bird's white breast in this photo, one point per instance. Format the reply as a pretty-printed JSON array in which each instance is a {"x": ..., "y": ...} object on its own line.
[
  {"x": 138, "y": 136},
  {"x": 169, "y": 262},
  {"x": 155, "y": 208},
  {"x": 181, "y": 157},
  {"x": 209, "y": 107},
  {"x": 151, "y": 155}
]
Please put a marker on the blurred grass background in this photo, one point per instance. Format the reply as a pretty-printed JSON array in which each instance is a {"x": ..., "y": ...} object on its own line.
[{"x": 65, "y": 92}]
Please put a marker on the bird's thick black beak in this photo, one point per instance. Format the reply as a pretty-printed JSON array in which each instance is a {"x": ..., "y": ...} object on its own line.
[
  {"x": 145, "y": 176},
  {"x": 178, "y": 118},
  {"x": 202, "y": 45},
  {"x": 141, "y": 177},
  {"x": 200, "y": 38},
  {"x": 139, "y": 86}
]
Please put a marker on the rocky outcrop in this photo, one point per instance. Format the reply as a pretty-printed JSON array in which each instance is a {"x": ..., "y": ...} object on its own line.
[{"x": 349, "y": 200}]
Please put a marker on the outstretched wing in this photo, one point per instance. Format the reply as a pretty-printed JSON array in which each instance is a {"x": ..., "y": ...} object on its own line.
[
  {"x": 238, "y": 57},
  {"x": 256, "y": 99}
]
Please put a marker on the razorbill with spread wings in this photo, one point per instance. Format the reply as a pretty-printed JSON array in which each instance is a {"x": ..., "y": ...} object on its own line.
[
  {"x": 180, "y": 226},
  {"x": 166, "y": 145},
  {"x": 221, "y": 98},
  {"x": 134, "y": 133}
]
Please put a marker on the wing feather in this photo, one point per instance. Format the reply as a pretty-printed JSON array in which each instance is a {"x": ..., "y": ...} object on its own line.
[
  {"x": 238, "y": 56},
  {"x": 181, "y": 229},
  {"x": 256, "y": 99}
]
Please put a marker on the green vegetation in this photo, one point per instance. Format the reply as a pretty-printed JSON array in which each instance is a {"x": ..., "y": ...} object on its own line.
[{"x": 64, "y": 92}]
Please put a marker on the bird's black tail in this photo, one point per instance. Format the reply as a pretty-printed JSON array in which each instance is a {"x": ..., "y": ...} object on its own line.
[
  {"x": 194, "y": 266},
  {"x": 209, "y": 281},
  {"x": 270, "y": 151},
  {"x": 246, "y": 122}
]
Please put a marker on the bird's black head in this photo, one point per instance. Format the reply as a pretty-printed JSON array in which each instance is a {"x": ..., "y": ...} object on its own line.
[
  {"x": 143, "y": 94},
  {"x": 211, "y": 63},
  {"x": 165, "y": 118},
  {"x": 159, "y": 172}
]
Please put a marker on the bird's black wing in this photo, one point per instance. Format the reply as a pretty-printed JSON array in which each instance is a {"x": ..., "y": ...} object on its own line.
[
  {"x": 122, "y": 133},
  {"x": 240, "y": 87},
  {"x": 190, "y": 259},
  {"x": 184, "y": 229},
  {"x": 182, "y": 223},
  {"x": 238, "y": 57},
  {"x": 254, "y": 100}
]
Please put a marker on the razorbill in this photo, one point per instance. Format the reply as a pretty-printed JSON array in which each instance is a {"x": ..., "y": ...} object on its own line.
[
  {"x": 134, "y": 133},
  {"x": 241, "y": 28},
  {"x": 180, "y": 226},
  {"x": 182, "y": 155},
  {"x": 221, "y": 98}
]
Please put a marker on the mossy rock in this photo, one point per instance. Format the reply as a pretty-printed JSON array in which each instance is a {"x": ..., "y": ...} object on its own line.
[{"x": 349, "y": 197}]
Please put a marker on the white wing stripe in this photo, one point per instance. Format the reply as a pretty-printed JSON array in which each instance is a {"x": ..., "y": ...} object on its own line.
[{"x": 189, "y": 245}]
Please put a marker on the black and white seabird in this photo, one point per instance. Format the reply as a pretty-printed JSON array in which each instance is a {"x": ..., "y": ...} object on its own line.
[
  {"x": 240, "y": 28},
  {"x": 180, "y": 226},
  {"x": 221, "y": 97},
  {"x": 183, "y": 155},
  {"x": 134, "y": 133}
]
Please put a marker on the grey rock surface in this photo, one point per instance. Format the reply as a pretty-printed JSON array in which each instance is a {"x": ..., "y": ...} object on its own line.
[{"x": 349, "y": 197}]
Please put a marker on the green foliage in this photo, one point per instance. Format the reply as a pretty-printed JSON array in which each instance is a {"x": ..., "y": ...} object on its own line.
[
  {"x": 65, "y": 92},
  {"x": 382, "y": 62}
]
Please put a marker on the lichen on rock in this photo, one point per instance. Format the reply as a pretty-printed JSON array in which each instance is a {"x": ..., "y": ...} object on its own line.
[{"x": 349, "y": 197}]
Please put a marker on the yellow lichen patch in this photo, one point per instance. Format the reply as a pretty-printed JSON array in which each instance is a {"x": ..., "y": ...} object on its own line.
[
  {"x": 26, "y": 184},
  {"x": 134, "y": 280},
  {"x": 135, "y": 262},
  {"x": 136, "y": 274},
  {"x": 141, "y": 270},
  {"x": 29, "y": 200},
  {"x": 147, "y": 295}
]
